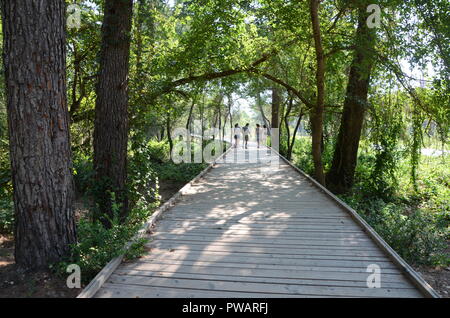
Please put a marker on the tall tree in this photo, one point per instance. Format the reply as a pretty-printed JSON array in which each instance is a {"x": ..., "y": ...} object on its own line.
[
  {"x": 34, "y": 59},
  {"x": 318, "y": 109},
  {"x": 341, "y": 174},
  {"x": 276, "y": 103},
  {"x": 111, "y": 109}
]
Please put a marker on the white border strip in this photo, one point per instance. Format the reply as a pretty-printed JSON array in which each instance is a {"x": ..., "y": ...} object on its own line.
[
  {"x": 92, "y": 288},
  {"x": 411, "y": 274}
]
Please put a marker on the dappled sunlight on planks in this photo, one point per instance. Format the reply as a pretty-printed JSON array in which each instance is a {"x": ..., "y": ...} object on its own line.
[{"x": 254, "y": 230}]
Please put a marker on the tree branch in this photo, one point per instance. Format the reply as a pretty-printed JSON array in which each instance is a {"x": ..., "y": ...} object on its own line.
[
  {"x": 285, "y": 85},
  {"x": 214, "y": 75}
]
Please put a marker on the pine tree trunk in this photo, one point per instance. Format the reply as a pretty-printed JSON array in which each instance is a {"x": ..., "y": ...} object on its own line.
[
  {"x": 341, "y": 175},
  {"x": 317, "y": 111},
  {"x": 111, "y": 109},
  {"x": 34, "y": 60}
]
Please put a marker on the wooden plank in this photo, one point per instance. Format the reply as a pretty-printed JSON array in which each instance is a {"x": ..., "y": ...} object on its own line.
[
  {"x": 345, "y": 241},
  {"x": 322, "y": 235},
  {"x": 260, "y": 272},
  {"x": 99, "y": 280},
  {"x": 304, "y": 237},
  {"x": 299, "y": 290},
  {"x": 262, "y": 249},
  {"x": 236, "y": 216},
  {"x": 255, "y": 252},
  {"x": 167, "y": 259},
  {"x": 292, "y": 210},
  {"x": 133, "y": 291},
  {"x": 258, "y": 231},
  {"x": 286, "y": 243},
  {"x": 246, "y": 222},
  {"x": 267, "y": 204},
  {"x": 286, "y": 229},
  {"x": 267, "y": 280},
  {"x": 348, "y": 233},
  {"x": 256, "y": 219},
  {"x": 297, "y": 197},
  {"x": 256, "y": 259},
  {"x": 307, "y": 244}
]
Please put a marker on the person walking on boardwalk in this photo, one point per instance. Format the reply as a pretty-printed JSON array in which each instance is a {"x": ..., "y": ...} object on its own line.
[
  {"x": 264, "y": 134},
  {"x": 237, "y": 135},
  {"x": 246, "y": 132},
  {"x": 258, "y": 134}
]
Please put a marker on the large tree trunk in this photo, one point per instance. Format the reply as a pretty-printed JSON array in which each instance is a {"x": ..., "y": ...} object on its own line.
[
  {"x": 341, "y": 175},
  {"x": 317, "y": 111},
  {"x": 34, "y": 59},
  {"x": 276, "y": 103},
  {"x": 111, "y": 109}
]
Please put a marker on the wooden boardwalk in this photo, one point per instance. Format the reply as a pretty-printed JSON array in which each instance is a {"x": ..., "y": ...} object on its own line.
[{"x": 252, "y": 229}]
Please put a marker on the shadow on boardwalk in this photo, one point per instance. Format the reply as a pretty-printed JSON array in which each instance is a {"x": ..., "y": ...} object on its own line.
[{"x": 256, "y": 228}]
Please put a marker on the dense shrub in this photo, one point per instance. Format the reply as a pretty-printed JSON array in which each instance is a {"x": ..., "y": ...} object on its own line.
[
  {"x": 157, "y": 151},
  {"x": 182, "y": 172},
  {"x": 83, "y": 173},
  {"x": 418, "y": 236},
  {"x": 415, "y": 222},
  {"x": 6, "y": 193},
  {"x": 142, "y": 176},
  {"x": 6, "y": 216},
  {"x": 98, "y": 245}
]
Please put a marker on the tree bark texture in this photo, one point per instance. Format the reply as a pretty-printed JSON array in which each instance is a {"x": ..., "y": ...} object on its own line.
[
  {"x": 111, "y": 109},
  {"x": 318, "y": 109},
  {"x": 340, "y": 178},
  {"x": 276, "y": 103},
  {"x": 38, "y": 123}
]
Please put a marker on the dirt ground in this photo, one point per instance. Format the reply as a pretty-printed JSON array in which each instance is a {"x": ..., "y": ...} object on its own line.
[
  {"x": 438, "y": 278},
  {"x": 167, "y": 188},
  {"x": 14, "y": 284}
]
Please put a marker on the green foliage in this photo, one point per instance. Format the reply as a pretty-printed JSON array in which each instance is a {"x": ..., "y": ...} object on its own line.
[
  {"x": 182, "y": 172},
  {"x": 142, "y": 176},
  {"x": 97, "y": 245},
  {"x": 386, "y": 127},
  {"x": 414, "y": 221},
  {"x": 157, "y": 151},
  {"x": 83, "y": 173},
  {"x": 6, "y": 202},
  {"x": 6, "y": 216},
  {"x": 419, "y": 237},
  {"x": 302, "y": 154}
]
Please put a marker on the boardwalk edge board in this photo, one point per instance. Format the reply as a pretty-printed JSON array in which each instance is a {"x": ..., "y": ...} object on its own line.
[
  {"x": 405, "y": 268},
  {"x": 97, "y": 282}
]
